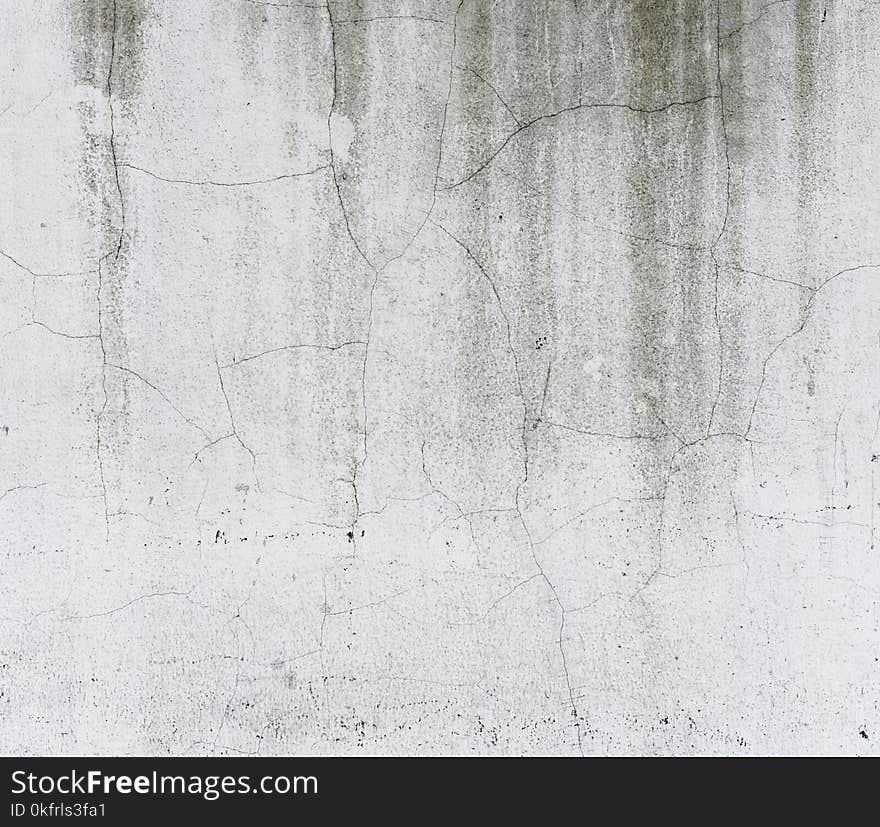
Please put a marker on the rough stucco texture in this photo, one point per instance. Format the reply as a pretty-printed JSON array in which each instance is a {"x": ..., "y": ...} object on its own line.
[{"x": 439, "y": 377}]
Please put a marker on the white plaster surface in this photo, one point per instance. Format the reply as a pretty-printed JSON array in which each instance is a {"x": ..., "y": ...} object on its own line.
[{"x": 408, "y": 377}]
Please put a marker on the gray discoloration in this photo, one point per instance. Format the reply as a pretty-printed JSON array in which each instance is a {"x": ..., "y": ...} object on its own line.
[
  {"x": 106, "y": 47},
  {"x": 107, "y": 43},
  {"x": 810, "y": 20},
  {"x": 399, "y": 376},
  {"x": 514, "y": 238},
  {"x": 105, "y": 29},
  {"x": 672, "y": 370}
]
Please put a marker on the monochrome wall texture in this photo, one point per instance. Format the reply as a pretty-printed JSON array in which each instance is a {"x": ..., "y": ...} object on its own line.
[{"x": 454, "y": 377}]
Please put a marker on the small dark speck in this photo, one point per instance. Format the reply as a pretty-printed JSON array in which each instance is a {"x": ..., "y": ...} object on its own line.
[
  {"x": 863, "y": 734},
  {"x": 350, "y": 535}
]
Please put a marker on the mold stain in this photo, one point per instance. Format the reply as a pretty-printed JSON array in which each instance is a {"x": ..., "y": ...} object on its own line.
[
  {"x": 106, "y": 53},
  {"x": 807, "y": 22},
  {"x": 671, "y": 373},
  {"x": 106, "y": 43},
  {"x": 729, "y": 243},
  {"x": 517, "y": 224},
  {"x": 105, "y": 32},
  {"x": 476, "y": 48}
]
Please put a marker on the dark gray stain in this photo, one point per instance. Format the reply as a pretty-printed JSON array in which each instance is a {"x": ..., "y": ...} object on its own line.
[
  {"x": 647, "y": 262},
  {"x": 106, "y": 53},
  {"x": 479, "y": 305},
  {"x": 736, "y": 350},
  {"x": 360, "y": 51},
  {"x": 808, "y": 20},
  {"x": 91, "y": 29},
  {"x": 105, "y": 29},
  {"x": 668, "y": 362},
  {"x": 513, "y": 236},
  {"x": 91, "y": 32},
  {"x": 357, "y": 46}
]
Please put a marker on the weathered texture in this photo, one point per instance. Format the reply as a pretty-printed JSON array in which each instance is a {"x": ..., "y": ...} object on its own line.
[{"x": 421, "y": 377}]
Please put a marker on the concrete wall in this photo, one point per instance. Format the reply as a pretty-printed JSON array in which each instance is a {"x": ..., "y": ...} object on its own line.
[{"x": 394, "y": 376}]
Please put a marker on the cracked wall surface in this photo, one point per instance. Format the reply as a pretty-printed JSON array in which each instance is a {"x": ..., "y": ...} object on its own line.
[{"x": 452, "y": 377}]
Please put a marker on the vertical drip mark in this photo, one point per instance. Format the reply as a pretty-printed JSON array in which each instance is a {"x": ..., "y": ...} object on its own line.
[
  {"x": 113, "y": 132},
  {"x": 358, "y": 463},
  {"x": 806, "y": 78},
  {"x": 333, "y": 169},
  {"x": 106, "y": 37},
  {"x": 713, "y": 249},
  {"x": 102, "y": 263}
]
